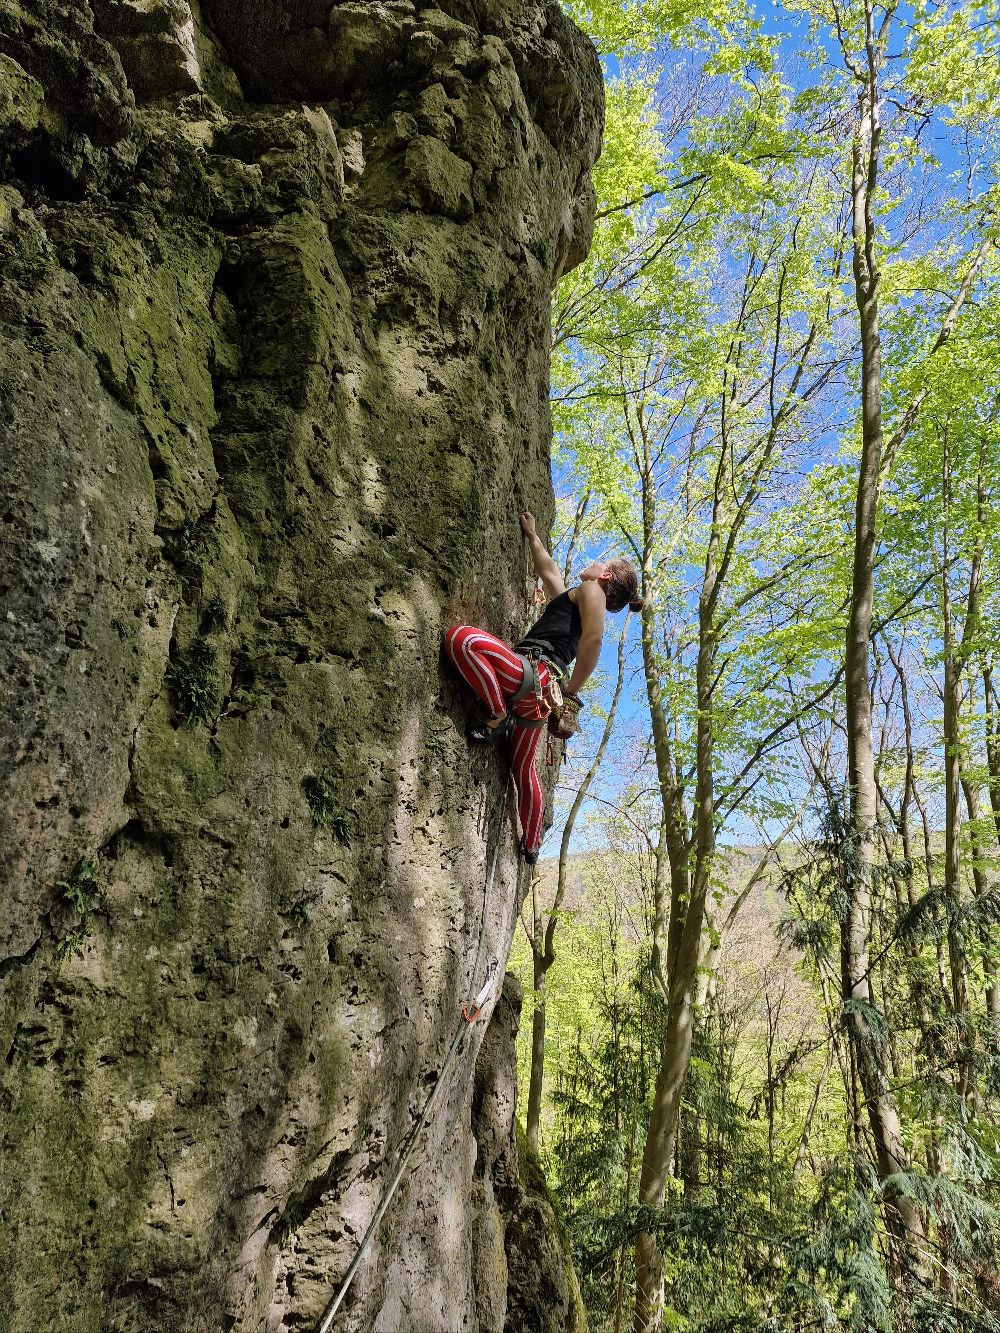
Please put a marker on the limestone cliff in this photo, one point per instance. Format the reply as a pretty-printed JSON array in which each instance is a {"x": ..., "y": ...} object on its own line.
[{"x": 273, "y": 384}]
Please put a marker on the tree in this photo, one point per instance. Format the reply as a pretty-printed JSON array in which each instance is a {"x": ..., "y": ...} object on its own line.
[
  {"x": 863, "y": 37},
  {"x": 541, "y": 936}
]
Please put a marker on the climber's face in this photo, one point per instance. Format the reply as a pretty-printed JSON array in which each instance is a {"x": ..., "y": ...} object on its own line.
[{"x": 599, "y": 571}]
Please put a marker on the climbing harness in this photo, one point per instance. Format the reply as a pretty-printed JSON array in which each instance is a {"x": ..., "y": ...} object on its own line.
[
  {"x": 470, "y": 1012},
  {"x": 562, "y": 709},
  {"x": 548, "y": 696}
]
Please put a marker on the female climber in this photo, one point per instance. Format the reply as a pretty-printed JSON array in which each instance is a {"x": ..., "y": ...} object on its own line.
[{"x": 571, "y": 628}]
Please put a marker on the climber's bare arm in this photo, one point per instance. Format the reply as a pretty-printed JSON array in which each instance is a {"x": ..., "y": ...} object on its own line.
[
  {"x": 545, "y": 567},
  {"x": 591, "y": 601}
]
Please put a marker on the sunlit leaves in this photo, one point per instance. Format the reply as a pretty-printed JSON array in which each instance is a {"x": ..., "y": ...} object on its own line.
[
  {"x": 706, "y": 392},
  {"x": 636, "y": 27},
  {"x": 954, "y": 63}
]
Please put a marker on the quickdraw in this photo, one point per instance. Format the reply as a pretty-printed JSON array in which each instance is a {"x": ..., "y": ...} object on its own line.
[{"x": 471, "y": 1010}]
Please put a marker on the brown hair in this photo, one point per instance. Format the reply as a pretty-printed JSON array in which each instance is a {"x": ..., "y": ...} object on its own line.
[{"x": 623, "y": 590}]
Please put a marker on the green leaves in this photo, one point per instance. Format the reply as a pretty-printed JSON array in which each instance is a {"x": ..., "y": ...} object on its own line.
[
  {"x": 953, "y": 62},
  {"x": 637, "y": 27},
  {"x": 707, "y": 396}
]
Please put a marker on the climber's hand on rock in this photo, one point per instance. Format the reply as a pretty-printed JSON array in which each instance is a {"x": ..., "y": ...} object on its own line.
[{"x": 545, "y": 567}]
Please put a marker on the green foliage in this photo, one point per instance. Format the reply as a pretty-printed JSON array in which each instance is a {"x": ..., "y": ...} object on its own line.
[
  {"x": 194, "y": 683},
  {"x": 954, "y": 61},
  {"x": 639, "y": 26},
  {"x": 82, "y": 889},
  {"x": 215, "y": 611},
  {"x": 320, "y": 797},
  {"x": 843, "y": 1252},
  {"x": 71, "y": 943},
  {"x": 706, "y": 399},
  {"x": 79, "y": 898}
]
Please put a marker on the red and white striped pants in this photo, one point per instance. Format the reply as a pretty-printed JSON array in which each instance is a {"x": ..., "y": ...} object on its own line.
[{"x": 495, "y": 672}]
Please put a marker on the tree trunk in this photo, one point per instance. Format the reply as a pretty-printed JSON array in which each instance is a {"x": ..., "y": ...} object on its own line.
[
  {"x": 952, "y": 811},
  {"x": 534, "y": 1117},
  {"x": 684, "y": 949},
  {"x": 953, "y": 826},
  {"x": 543, "y": 952},
  {"x": 903, "y": 1216},
  {"x": 981, "y": 882},
  {"x": 629, "y": 1165}
]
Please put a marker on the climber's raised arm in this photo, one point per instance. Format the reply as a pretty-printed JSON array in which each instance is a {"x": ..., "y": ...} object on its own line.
[{"x": 545, "y": 567}]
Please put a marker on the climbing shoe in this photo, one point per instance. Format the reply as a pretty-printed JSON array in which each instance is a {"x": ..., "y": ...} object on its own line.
[
  {"x": 480, "y": 734},
  {"x": 529, "y": 858}
]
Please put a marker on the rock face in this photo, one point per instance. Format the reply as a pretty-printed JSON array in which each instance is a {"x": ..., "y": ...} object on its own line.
[
  {"x": 273, "y": 385},
  {"x": 523, "y": 1280}
]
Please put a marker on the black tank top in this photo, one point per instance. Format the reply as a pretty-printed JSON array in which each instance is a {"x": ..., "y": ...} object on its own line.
[{"x": 556, "y": 632}]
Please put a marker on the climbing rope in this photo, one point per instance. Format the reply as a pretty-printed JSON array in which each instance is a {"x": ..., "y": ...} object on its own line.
[{"x": 470, "y": 1012}]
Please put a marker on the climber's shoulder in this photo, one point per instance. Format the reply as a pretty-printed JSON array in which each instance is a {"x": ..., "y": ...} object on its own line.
[{"x": 591, "y": 603}]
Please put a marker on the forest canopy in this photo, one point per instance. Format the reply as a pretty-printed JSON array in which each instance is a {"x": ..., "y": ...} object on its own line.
[{"x": 762, "y": 1072}]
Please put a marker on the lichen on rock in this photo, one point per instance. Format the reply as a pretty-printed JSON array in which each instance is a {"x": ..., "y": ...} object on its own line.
[{"x": 275, "y": 284}]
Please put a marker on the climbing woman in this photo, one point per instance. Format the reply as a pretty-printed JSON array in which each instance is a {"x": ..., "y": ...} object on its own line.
[{"x": 516, "y": 684}]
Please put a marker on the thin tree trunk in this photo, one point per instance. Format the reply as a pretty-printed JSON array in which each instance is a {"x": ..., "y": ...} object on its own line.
[
  {"x": 629, "y": 1166},
  {"x": 953, "y": 664},
  {"x": 671, "y": 869},
  {"x": 800, "y": 1151},
  {"x": 689, "y": 837},
  {"x": 689, "y": 1143},
  {"x": 534, "y": 1116},
  {"x": 992, "y": 746},
  {"x": 908, "y": 783},
  {"x": 981, "y": 882},
  {"x": 903, "y": 1215},
  {"x": 684, "y": 948},
  {"x": 993, "y": 770},
  {"x": 543, "y": 944}
]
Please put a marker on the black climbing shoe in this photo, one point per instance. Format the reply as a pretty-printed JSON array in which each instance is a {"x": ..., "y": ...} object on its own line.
[
  {"x": 480, "y": 734},
  {"x": 529, "y": 858}
]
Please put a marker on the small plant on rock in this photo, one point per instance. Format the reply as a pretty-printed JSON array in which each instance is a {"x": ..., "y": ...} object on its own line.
[
  {"x": 194, "y": 682},
  {"x": 71, "y": 942},
  {"x": 82, "y": 890},
  {"x": 215, "y": 610},
  {"x": 320, "y": 798},
  {"x": 79, "y": 897}
]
